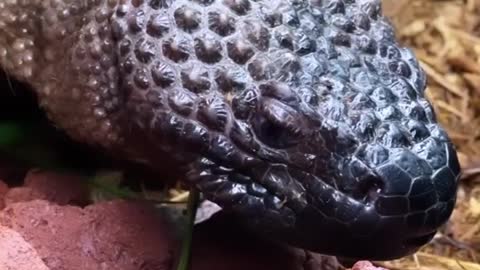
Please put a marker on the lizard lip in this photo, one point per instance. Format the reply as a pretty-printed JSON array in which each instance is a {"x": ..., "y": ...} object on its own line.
[
  {"x": 421, "y": 240},
  {"x": 321, "y": 218},
  {"x": 410, "y": 245}
]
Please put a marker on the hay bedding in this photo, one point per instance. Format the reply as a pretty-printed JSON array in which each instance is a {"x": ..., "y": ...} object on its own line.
[{"x": 445, "y": 35}]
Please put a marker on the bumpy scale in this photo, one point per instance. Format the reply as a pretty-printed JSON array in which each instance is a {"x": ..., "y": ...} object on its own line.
[{"x": 305, "y": 118}]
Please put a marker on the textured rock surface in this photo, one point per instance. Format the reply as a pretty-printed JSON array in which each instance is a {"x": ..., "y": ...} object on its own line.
[
  {"x": 3, "y": 191},
  {"x": 17, "y": 254},
  {"x": 115, "y": 235},
  {"x": 364, "y": 265},
  {"x": 60, "y": 188}
]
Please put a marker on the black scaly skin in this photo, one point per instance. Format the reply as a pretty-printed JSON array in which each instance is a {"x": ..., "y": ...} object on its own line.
[{"x": 304, "y": 118}]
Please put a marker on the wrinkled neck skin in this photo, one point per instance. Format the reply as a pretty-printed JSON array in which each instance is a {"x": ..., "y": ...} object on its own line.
[
  {"x": 38, "y": 39},
  {"x": 18, "y": 29}
]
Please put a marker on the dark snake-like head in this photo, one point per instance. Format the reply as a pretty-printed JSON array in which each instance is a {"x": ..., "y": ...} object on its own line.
[{"x": 304, "y": 118}]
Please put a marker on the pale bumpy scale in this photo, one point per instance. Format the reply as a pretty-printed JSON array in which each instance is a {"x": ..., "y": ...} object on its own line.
[{"x": 304, "y": 117}]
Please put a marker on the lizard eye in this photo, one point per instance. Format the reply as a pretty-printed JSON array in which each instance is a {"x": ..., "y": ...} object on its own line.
[
  {"x": 272, "y": 134},
  {"x": 277, "y": 126}
]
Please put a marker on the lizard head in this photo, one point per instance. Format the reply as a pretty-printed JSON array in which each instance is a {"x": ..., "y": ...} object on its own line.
[{"x": 304, "y": 118}]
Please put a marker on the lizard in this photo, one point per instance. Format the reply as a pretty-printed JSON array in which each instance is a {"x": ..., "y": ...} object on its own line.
[{"x": 305, "y": 118}]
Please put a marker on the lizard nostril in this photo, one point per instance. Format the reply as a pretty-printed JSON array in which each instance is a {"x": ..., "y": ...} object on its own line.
[
  {"x": 369, "y": 189},
  {"x": 361, "y": 182}
]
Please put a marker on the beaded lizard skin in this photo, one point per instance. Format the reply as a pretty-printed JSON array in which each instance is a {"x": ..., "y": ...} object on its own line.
[{"x": 304, "y": 118}]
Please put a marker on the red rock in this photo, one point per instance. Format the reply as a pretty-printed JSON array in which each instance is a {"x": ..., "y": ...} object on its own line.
[
  {"x": 61, "y": 188},
  {"x": 135, "y": 230},
  {"x": 112, "y": 235},
  {"x": 3, "y": 187},
  {"x": 22, "y": 194},
  {"x": 3, "y": 191},
  {"x": 366, "y": 265},
  {"x": 16, "y": 253}
]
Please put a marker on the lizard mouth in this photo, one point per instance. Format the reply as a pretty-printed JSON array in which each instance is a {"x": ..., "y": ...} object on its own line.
[{"x": 297, "y": 207}]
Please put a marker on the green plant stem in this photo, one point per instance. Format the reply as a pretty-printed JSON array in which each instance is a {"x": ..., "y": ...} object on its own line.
[{"x": 186, "y": 253}]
